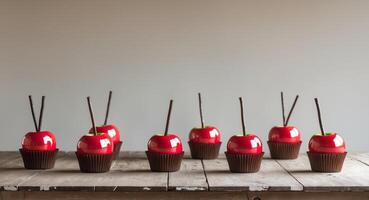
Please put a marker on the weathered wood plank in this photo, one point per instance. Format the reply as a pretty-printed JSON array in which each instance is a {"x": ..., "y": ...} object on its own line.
[
  {"x": 133, "y": 174},
  {"x": 127, "y": 174},
  {"x": 362, "y": 157},
  {"x": 64, "y": 176},
  {"x": 354, "y": 176},
  {"x": 271, "y": 177},
  {"x": 134, "y": 195},
  {"x": 12, "y": 172},
  {"x": 308, "y": 195},
  {"x": 7, "y": 156},
  {"x": 184, "y": 195},
  {"x": 190, "y": 177}
]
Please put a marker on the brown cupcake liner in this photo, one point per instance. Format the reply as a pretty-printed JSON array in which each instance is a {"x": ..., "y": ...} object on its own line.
[
  {"x": 326, "y": 162},
  {"x": 38, "y": 159},
  {"x": 244, "y": 163},
  {"x": 116, "y": 152},
  {"x": 164, "y": 162},
  {"x": 283, "y": 150},
  {"x": 94, "y": 163},
  {"x": 204, "y": 151}
]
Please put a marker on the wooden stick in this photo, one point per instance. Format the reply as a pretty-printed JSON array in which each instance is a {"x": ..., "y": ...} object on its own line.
[
  {"x": 41, "y": 114},
  {"x": 200, "y": 108},
  {"x": 319, "y": 116},
  {"x": 168, "y": 117},
  {"x": 92, "y": 116},
  {"x": 283, "y": 116},
  {"x": 242, "y": 117},
  {"x": 293, "y": 106},
  {"x": 33, "y": 112},
  {"x": 108, "y": 108}
]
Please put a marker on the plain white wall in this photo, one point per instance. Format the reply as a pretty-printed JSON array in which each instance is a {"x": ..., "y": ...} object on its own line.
[{"x": 148, "y": 51}]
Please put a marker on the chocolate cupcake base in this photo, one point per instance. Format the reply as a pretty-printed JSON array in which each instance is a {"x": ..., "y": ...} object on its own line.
[
  {"x": 283, "y": 150},
  {"x": 164, "y": 162},
  {"x": 116, "y": 152},
  {"x": 38, "y": 159},
  {"x": 94, "y": 163},
  {"x": 244, "y": 163},
  {"x": 326, "y": 162},
  {"x": 204, "y": 151}
]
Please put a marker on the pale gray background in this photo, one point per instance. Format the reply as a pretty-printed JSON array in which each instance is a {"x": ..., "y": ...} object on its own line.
[{"x": 149, "y": 51}]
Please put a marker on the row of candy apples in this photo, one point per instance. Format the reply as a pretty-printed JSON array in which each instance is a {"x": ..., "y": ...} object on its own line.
[{"x": 97, "y": 149}]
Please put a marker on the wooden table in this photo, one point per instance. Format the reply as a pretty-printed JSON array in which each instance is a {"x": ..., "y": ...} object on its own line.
[{"x": 131, "y": 178}]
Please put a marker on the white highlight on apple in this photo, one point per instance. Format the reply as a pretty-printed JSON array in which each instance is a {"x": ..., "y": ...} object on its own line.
[
  {"x": 255, "y": 142},
  {"x": 338, "y": 141},
  {"x": 112, "y": 133},
  {"x": 294, "y": 132},
  {"x": 213, "y": 133},
  {"x": 174, "y": 142},
  {"x": 47, "y": 139},
  {"x": 104, "y": 142}
]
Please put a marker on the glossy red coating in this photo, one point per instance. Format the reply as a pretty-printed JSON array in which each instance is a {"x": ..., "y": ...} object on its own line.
[
  {"x": 111, "y": 130},
  {"x": 207, "y": 135},
  {"x": 249, "y": 144},
  {"x": 165, "y": 144},
  {"x": 285, "y": 134},
  {"x": 329, "y": 143},
  {"x": 39, "y": 141},
  {"x": 91, "y": 144}
]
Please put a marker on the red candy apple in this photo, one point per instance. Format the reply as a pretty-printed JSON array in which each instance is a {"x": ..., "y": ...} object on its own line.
[
  {"x": 38, "y": 140},
  {"x": 205, "y": 134},
  {"x": 96, "y": 143},
  {"x": 246, "y": 143},
  {"x": 326, "y": 142},
  {"x": 110, "y": 129},
  {"x": 285, "y": 133},
  {"x": 165, "y": 143}
]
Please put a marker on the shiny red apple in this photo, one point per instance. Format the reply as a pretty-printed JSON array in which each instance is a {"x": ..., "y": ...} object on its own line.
[
  {"x": 327, "y": 143},
  {"x": 207, "y": 135},
  {"x": 165, "y": 144},
  {"x": 111, "y": 130},
  {"x": 285, "y": 134},
  {"x": 95, "y": 144},
  {"x": 39, "y": 141},
  {"x": 244, "y": 144}
]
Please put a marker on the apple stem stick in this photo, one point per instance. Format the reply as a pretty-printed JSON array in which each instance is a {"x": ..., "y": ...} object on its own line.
[
  {"x": 291, "y": 110},
  {"x": 108, "y": 108},
  {"x": 319, "y": 116},
  {"x": 168, "y": 117},
  {"x": 242, "y": 117},
  {"x": 283, "y": 116},
  {"x": 200, "y": 108},
  {"x": 33, "y": 112},
  {"x": 92, "y": 116},
  {"x": 41, "y": 114}
]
